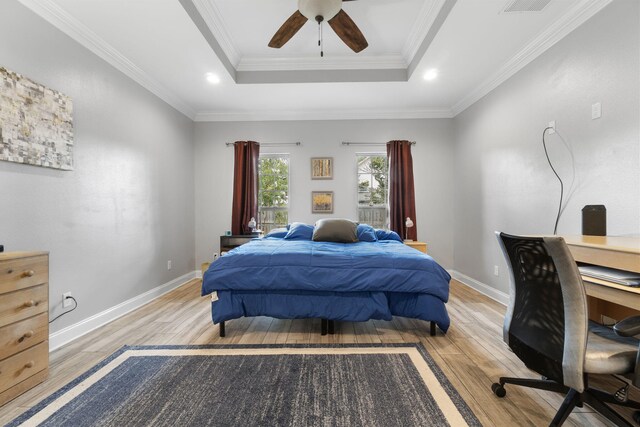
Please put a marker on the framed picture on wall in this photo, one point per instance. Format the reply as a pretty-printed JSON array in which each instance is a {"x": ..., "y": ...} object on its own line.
[
  {"x": 322, "y": 168},
  {"x": 322, "y": 202}
]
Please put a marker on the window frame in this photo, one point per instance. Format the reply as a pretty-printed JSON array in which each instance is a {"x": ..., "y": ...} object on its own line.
[
  {"x": 357, "y": 170},
  {"x": 274, "y": 208}
]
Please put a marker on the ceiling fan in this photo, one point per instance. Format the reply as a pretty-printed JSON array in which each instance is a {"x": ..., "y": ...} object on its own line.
[{"x": 320, "y": 11}]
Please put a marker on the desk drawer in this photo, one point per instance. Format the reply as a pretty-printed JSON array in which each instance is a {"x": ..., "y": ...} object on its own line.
[
  {"x": 23, "y": 365},
  {"x": 23, "y": 273},
  {"x": 22, "y": 304},
  {"x": 23, "y": 334}
]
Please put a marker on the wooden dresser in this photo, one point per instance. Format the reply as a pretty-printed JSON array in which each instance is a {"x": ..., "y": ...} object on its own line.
[{"x": 24, "y": 322}]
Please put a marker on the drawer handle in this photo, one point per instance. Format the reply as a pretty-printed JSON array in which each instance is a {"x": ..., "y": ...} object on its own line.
[
  {"x": 26, "y": 335},
  {"x": 30, "y": 303},
  {"x": 30, "y": 364},
  {"x": 29, "y": 273}
]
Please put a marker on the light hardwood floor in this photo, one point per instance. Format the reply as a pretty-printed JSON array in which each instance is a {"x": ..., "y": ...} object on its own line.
[{"x": 471, "y": 354}]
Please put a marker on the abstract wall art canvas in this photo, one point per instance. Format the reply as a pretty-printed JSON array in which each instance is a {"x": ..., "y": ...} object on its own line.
[{"x": 36, "y": 123}]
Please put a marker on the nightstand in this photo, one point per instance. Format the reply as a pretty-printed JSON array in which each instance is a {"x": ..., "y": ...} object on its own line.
[
  {"x": 229, "y": 242},
  {"x": 421, "y": 246}
]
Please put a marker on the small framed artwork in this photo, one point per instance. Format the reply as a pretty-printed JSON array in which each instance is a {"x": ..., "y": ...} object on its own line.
[
  {"x": 322, "y": 168},
  {"x": 322, "y": 202}
]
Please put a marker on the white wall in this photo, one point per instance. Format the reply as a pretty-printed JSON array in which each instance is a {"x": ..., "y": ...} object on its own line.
[
  {"x": 503, "y": 180},
  {"x": 432, "y": 160},
  {"x": 112, "y": 223}
]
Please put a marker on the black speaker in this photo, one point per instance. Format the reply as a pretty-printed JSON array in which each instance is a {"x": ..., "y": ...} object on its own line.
[
  {"x": 1, "y": 248},
  {"x": 594, "y": 220}
]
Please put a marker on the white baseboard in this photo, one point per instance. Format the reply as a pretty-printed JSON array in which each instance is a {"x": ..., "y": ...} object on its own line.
[
  {"x": 75, "y": 331},
  {"x": 491, "y": 292}
]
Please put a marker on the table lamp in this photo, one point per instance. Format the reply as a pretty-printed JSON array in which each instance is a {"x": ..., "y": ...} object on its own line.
[{"x": 407, "y": 224}]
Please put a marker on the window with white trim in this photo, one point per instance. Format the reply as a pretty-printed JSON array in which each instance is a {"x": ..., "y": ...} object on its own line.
[
  {"x": 373, "y": 189},
  {"x": 273, "y": 191}
]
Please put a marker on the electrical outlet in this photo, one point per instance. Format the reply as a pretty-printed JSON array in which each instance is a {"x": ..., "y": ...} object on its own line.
[
  {"x": 66, "y": 302},
  {"x": 496, "y": 270},
  {"x": 552, "y": 125},
  {"x": 169, "y": 265},
  {"x": 215, "y": 256}
]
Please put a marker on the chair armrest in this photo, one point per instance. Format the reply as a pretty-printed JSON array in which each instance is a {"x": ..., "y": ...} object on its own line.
[{"x": 628, "y": 327}]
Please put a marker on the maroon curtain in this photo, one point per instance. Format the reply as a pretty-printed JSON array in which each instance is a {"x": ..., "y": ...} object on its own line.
[
  {"x": 245, "y": 186},
  {"x": 402, "y": 199}
]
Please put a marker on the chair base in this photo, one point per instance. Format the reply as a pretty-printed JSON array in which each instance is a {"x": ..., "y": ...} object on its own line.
[{"x": 595, "y": 398}]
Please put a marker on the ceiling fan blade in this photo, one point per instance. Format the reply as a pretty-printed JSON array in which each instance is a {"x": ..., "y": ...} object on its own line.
[
  {"x": 348, "y": 31},
  {"x": 288, "y": 30}
]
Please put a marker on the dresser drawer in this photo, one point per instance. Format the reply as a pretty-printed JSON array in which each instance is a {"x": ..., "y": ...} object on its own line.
[
  {"x": 20, "y": 273},
  {"x": 23, "y": 365},
  {"x": 19, "y": 305},
  {"x": 23, "y": 334}
]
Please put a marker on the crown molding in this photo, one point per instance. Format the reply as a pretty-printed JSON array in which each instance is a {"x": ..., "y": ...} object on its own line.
[
  {"x": 427, "y": 16},
  {"x": 213, "y": 18},
  {"x": 562, "y": 27},
  {"x": 252, "y": 116},
  {"x": 66, "y": 23},
  {"x": 316, "y": 63}
]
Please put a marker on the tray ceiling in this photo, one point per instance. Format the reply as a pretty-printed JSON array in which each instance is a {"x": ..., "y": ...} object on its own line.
[{"x": 169, "y": 46}]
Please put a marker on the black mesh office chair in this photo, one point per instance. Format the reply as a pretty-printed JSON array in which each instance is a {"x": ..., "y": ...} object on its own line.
[{"x": 547, "y": 327}]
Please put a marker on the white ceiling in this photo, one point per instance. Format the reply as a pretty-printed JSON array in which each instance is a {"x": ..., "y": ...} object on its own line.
[{"x": 158, "y": 44}]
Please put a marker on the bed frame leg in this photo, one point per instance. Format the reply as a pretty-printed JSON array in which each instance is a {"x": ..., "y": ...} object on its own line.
[
  {"x": 323, "y": 326},
  {"x": 433, "y": 328},
  {"x": 332, "y": 327},
  {"x": 222, "y": 331}
]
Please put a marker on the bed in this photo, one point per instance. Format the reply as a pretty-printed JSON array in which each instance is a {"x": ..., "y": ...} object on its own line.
[{"x": 290, "y": 279}]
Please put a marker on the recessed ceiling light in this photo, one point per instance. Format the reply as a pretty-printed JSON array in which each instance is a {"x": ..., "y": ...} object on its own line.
[
  {"x": 213, "y": 78},
  {"x": 431, "y": 74}
]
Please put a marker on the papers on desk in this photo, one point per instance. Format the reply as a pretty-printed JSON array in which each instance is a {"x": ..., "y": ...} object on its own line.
[{"x": 621, "y": 277}]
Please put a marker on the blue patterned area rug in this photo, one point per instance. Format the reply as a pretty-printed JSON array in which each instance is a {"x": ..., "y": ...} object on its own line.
[{"x": 258, "y": 385}]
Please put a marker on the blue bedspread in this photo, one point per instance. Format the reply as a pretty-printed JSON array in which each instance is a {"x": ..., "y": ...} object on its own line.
[{"x": 283, "y": 265}]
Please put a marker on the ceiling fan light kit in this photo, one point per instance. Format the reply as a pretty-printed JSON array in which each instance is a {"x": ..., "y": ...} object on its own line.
[
  {"x": 327, "y": 9},
  {"x": 320, "y": 11}
]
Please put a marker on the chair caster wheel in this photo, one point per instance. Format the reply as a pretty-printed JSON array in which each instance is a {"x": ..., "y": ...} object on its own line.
[
  {"x": 636, "y": 417},
  {"x": 498, "y": 390}
]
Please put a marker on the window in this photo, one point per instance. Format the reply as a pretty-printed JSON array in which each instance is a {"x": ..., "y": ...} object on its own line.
[
  {"x": 273, "y": 191},
  {"x": 373, "y": 189}
]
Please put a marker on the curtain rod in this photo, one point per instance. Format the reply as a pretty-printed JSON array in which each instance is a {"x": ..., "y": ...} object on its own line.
[
  {"x": 266, "y": 144},
  {"x": 370, "y": 143}
]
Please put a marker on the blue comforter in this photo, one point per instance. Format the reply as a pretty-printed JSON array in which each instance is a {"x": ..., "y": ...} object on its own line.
[{"x": 284, "y": 265}]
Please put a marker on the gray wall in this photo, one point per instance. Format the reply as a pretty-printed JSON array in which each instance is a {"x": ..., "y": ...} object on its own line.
[
  {"x": 503, "y": 181},
  {"x": 432, "y": 160},
  {"x": 131, "y": 203},
  {"x": 127, "y": 208}
]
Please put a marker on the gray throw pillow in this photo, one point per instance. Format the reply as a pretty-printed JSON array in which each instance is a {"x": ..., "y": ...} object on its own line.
[{"x": 335, "y": 230}]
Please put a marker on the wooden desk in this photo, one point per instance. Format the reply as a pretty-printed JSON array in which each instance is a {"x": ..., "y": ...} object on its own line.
[{"x": 606, "y": 298}]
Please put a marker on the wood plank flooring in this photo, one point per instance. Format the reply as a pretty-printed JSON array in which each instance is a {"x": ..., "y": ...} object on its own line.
[{"x": 471, "y": 354}]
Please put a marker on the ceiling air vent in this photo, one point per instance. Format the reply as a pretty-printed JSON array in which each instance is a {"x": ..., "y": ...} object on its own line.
[{"x": 519, "y": 6}]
